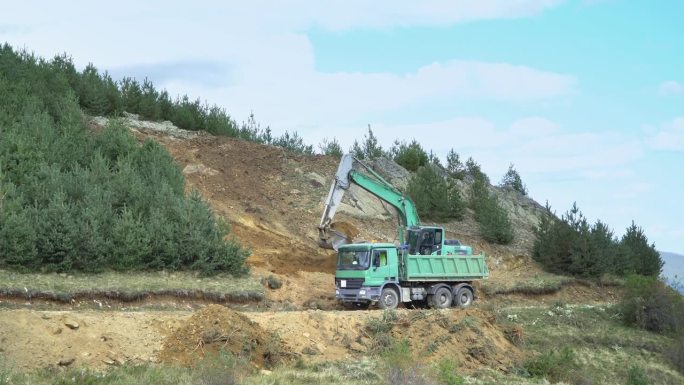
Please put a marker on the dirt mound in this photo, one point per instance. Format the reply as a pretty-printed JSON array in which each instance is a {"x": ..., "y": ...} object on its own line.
[
  {"x": 216, "y": 328},
  {"x": 470, "y": 337}
]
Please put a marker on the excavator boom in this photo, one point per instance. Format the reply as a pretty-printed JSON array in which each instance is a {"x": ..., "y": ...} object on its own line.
[{"x": 331, "y": 238}]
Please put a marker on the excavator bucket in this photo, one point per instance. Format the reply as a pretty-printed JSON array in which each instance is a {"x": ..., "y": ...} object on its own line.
[
  {"x": 332, "y": 239},
  {"x": 336, "y": 235}
]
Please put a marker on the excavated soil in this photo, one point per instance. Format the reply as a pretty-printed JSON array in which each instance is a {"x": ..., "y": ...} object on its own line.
[
  {"x": 469, "y": 337},
  {"x": 39, "y": 339},
  {"x": 217, "y": 328},
  {"x": 95, "y": 339}
]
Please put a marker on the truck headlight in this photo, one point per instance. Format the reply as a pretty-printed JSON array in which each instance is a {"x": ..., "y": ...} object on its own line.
[
  {"x": 362, "y": 293},
  {"x": 337, "y": 292}
]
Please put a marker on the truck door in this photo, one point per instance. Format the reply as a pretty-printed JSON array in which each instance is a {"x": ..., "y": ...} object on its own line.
[{"x": 380, "y": 267}]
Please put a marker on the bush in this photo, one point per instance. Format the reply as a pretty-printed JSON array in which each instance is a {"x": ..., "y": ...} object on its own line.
[
  {"x": 513, "y": 181},
  {"x": 495, "y": 225},
  {"x": 447, "y": 373},
  {"x": 650, "y": 304},
  {"x": 637, "y": 376},
  {"x": 570, "y": 245},
  {"x": 369, "y": 148},
  {"x": 331, "y": 148},
  {"x": 410, "y": 156},
  {"x": 433, "y": 197},
  {"x": 293, "y": 143},
  {"x": 473, "y": 170},
  {"x": 553, "y": 365},
  {"x": 455, "y": 167}
]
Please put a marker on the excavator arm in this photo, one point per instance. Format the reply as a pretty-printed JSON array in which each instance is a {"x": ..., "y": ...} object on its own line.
[{"x": 346, "y": 175}]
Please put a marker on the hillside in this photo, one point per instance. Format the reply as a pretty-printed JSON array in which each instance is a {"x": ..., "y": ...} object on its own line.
[{"x": 272, "y": 201}]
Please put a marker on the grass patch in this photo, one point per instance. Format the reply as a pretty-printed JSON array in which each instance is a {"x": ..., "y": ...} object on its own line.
[
  {"x": 603, "y": 348},
  {"x": 129, "y": 286},
  {"x": 537, "y": 285}
]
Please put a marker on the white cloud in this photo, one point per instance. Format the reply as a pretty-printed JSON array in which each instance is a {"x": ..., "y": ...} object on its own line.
[
  {"x": 670, "y": 87},
  {"x": 670, "y": 137},
  {"x": 633, "y": 190},
  {"x": 273, "y": 15},
  {"x": 255, "y": 56},
  {"x": 534, "y": 126}
]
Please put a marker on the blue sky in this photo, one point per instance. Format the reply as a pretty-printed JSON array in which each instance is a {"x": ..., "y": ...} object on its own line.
[{"x": 586, "y": 98}]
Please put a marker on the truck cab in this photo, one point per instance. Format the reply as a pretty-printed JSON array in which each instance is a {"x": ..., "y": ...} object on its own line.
[{"x": 363, "y": 269}]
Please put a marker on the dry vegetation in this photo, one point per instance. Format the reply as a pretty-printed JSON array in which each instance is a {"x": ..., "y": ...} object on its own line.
[{"x": 129, "y": 286}]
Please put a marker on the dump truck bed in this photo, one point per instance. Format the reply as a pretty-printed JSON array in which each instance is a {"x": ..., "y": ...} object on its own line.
[{"x": 443, "y": 267}]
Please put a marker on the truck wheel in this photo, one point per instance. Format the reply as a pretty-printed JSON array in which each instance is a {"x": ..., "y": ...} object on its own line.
[
  {"x": 464, "y": 297},
  {"x": 389, "y": 299},
  {"x": 442, "y": 298}
]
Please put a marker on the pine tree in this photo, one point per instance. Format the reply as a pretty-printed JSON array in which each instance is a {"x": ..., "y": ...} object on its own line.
[{"x": 513, "y": 181}]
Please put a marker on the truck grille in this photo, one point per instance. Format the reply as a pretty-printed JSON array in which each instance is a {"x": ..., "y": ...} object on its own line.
[{"x": 352, "y": 283}]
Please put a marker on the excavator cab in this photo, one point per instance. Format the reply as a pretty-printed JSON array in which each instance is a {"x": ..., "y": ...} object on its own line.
[{"x": 425, "y": 240}]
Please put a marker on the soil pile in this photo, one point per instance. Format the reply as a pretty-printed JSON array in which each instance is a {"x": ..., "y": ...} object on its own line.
[
  {"x": 216, "y": 328},
  {"x": 470, "y": 337}
]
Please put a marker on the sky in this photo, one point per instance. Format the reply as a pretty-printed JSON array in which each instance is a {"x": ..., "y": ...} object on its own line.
[{"x": 584, "y": 97}]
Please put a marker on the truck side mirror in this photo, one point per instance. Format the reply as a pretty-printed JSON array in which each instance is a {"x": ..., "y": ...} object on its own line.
[{"x": 376, "y": 261}]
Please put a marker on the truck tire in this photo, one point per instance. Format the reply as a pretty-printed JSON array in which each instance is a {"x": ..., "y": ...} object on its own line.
[
  {"x": 442, "y": 298},
  {"x": 464, "y": 297},
  {"x": 389, "y": 299}
]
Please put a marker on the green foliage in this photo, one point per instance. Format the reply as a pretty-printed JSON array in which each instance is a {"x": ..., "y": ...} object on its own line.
[
  {"x": 644, "y": 258},
  {"x": 331, "y": 147},
  {"x": 72, "y": 200},
  {"x": 495, "y": 225},
  {"x": 411, "y": 156},
  {"x": 473, "y": 170},
  {"x": 293, "y": 143},
  {"x": 447, "y": 373},
  {"x": 652, "y": 305},
  {"x": 637, "y": 376},
  {"x": 553, "y": 365},
  {"x": 570, "y": 245},
  {"x": 369, "y": 148},
  {"x": 99, "y": 94},
  {"x": 434, "y": 197},
  {"x": 455, "y": 167},
  {"x": 513, "y": 181},
  {"x": 675, "y": 353}
]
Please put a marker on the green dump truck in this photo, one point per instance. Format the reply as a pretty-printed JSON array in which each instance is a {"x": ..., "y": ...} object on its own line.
[
  {"x": 423, "y": 267},
  {"x": 385, "y": 274}
]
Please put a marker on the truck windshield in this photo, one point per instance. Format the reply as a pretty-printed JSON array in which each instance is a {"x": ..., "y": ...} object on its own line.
[{"x": 353, "y": 259}]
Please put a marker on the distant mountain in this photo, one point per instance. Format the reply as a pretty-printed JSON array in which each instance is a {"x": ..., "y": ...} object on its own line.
[{"x": 674, "y": 266}]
